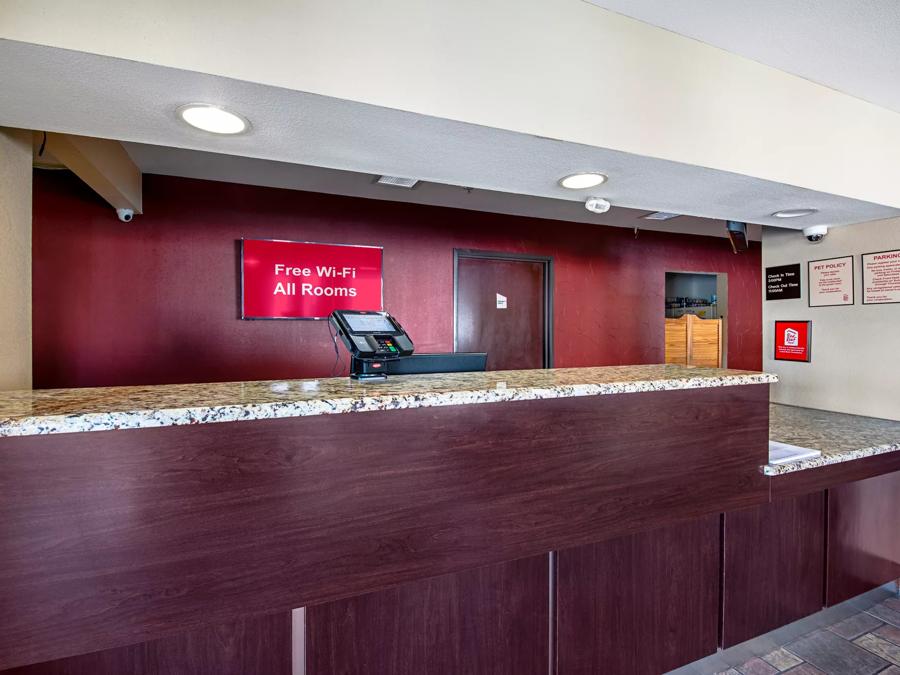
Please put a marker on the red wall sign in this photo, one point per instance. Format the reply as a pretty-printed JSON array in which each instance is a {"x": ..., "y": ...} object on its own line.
[
  {"x": 792, "y": 340},
  {"x": 301, "y": 280}
]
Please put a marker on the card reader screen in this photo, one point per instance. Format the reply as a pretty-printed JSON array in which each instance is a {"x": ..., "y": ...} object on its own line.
[{"x": 369, "y": 323}]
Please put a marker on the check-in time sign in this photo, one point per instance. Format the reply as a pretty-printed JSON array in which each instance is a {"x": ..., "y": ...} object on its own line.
[
  {"x": 304, "y": 280},
  {"x": 783, "y": 282}
]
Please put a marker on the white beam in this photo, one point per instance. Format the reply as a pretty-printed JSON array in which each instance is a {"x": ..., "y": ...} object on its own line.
[{"x": 103, "y": 164}]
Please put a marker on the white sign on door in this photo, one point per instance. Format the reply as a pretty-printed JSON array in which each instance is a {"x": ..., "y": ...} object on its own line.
[{"x": 501, "y": 301}]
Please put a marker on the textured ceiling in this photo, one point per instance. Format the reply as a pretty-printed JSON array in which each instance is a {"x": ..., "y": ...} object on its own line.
[
  {"x": 75, "y": 92},
  {"x": 233, "y": 169},
  {"x": 852, "y": 46}
]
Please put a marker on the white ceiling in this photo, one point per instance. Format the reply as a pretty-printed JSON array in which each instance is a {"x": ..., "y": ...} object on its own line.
[
  {"x": 61, "y": 90},
  {"x": 852, "y": 46}
]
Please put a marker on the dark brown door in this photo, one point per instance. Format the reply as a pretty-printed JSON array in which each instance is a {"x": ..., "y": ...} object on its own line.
[{"x": 501, "y": 309}]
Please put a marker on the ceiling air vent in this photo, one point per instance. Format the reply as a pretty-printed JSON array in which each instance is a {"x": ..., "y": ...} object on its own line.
[
  {"x": 397, "y": 181},
  {"x": 660, "y": 215}
]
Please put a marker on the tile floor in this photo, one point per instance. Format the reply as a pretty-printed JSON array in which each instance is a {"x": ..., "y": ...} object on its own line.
[{"x": 861, "y": 637}]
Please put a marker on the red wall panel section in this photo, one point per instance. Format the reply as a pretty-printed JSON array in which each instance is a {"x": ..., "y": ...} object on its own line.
[{"x": 157, "y": 300}]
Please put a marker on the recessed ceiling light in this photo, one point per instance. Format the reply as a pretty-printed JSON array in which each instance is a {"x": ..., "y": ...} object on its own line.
[
  {"x": 660, "y": 215},
  {"x": 213, "y": 118},
  {"x": 794, "y": 213},
  {"x": 582, "y": 181}
]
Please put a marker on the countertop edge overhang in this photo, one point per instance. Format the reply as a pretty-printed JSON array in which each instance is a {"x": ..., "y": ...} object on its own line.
[
  {"x": 841, "y": 437},
  {"x": 84, "y": 410},
  {"x": 829, "y": 459}
]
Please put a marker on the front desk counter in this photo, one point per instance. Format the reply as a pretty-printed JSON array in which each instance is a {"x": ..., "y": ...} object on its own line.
[
  {"x": 830, "y": 531},
  {"x": 568, "y": 521}
]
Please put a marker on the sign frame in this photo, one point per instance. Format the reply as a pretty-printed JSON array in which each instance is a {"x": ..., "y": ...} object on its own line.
[
  {"x": 244, "y": 317},
  {"x": 809, "y": 285},
  {"x": 799, "y": 290},
  {"x": 862, "y": 278},
  {"x": 808, "y": 358}
]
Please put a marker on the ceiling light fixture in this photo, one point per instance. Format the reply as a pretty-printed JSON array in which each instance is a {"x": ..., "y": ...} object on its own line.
[
  {"x": 213, "y": 118},
  {"x": 582, "y": 181},
  {"x": 794, "y": 213}
]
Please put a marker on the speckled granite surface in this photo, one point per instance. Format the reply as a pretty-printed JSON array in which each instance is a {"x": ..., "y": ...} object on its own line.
[
  {"x": 839, "y": 436},
  {"x": 50, "y": 411}
]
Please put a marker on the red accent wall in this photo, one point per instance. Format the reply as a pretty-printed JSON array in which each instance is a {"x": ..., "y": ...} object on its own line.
[{"x": 157, "y": 300}]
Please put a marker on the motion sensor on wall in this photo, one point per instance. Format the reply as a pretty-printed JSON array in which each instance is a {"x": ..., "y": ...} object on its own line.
[{"x": 815, "y": 233}]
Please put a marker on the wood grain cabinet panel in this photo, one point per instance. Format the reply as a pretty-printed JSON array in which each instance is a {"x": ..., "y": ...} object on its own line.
[
  {"x": 774, "y": 566},
  {"x": 639, "y": 605},
  {"x": 253, "y": 646},
  {"x": 863, "y": 536},
  {"x": 116, "y": 537},
  {"x": 488, "y": 621}
]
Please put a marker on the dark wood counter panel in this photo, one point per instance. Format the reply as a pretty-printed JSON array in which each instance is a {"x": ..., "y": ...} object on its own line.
[
  {"x": 863, "y": 536},
  {"x": 248, "y": 646},
  {"x": 643, "y": 604},
  {"x": 773, "y": 566},
  {"x": 490, "y": 620},
  {"x": 118, "y": 537}
]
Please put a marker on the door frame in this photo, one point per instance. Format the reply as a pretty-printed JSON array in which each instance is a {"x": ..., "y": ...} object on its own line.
[{"x": 546, "y": 261}]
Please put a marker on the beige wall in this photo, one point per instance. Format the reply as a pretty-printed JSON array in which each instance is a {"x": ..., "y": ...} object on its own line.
[
  {"x": 15, "y": 259},
  {"x": 855, "y": 365},
  {"x": 562, "y": 69}
]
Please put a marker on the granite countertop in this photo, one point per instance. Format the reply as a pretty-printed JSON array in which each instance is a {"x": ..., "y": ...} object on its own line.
[
  {"x": 53, "y": 411},
  {"x": 840, "y": 437}
]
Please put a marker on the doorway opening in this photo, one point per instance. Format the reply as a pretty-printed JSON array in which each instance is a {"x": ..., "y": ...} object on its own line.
[
  {"x": 696, "y": 313},
  {"x": 503, "y": 305}
]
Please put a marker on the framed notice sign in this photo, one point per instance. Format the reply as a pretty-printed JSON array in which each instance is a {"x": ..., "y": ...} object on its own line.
[
  {"x": 792, "y": 340},
  {"x": 830, "y": 282},
  {"x": 783, "y": 282},
  {"x": 303, "y": 280},
  {"x": 881, "y": 277}
]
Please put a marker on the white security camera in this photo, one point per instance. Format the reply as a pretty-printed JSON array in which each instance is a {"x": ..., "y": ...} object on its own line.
[
  {"x": 597, "y": 205},
  {"x": 815, "y": 233},
  {"x": 125, "y": 215}
]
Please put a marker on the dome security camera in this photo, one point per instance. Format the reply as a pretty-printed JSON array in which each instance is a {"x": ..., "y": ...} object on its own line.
[
  {"x": 597, "y": 205},
  {"x": 125, "y": 215},
  {"x": 815, "y": 233}
]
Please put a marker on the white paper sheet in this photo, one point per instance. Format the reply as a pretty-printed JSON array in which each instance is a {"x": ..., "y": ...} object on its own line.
[{"x": 782, "y": 453}]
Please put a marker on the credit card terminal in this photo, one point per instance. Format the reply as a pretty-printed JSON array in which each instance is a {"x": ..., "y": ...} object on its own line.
[{"x": 370, "y": 337}]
